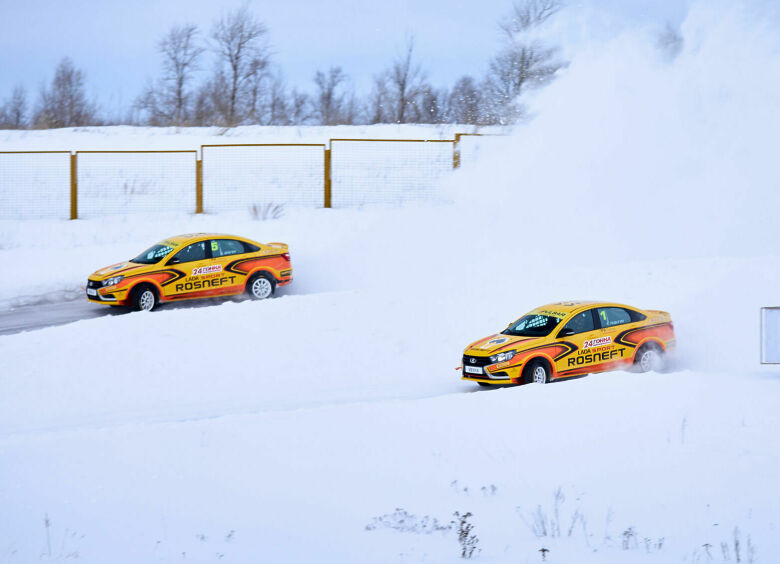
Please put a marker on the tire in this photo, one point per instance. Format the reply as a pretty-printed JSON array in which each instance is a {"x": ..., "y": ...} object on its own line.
[
  {"x": 648, "y": 357},
  {"x": 260, "y": 286},
  {"x": 144, "y": 298},
  {"x": 537, "y": 373}
]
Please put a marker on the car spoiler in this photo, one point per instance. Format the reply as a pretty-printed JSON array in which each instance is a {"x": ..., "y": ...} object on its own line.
[{"x": 277, "y": 244}]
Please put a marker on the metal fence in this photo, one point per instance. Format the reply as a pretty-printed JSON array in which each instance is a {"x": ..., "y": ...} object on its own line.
[
  {"x": 239, "y": 176},
  {"x": 386, "y": 171},
  {"x": 341, "y": 173},
  {"x": 35, "y": 185}
]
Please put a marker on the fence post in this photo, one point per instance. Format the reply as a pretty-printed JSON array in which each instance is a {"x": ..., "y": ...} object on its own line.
[
  {"x": 74, "y": 186},
  {"x": 327, "y": 179},
  {"x": 199, "y": 182},
  {"x": 456, "y": 151}
]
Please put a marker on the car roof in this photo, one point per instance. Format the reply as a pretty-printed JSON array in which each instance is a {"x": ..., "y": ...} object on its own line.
[
  {"x": 569, "y": 307},
  {"x": 189, "y": 237}
]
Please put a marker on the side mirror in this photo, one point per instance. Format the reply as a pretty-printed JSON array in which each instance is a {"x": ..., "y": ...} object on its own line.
[{"x": 566, "y": 332}]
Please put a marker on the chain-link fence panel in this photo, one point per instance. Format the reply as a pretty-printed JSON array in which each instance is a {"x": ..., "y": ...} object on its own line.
[
  {"x": 243, "y": 177},
  {"x": 387, "y": 171},
  {"x": 35, "y": 185},
  {"x": 131, "y": 182}
]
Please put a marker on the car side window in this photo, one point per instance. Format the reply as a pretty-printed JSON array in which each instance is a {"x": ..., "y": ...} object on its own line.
[
  {"x": 226, "y": 247},
  {"x": 190, "y": 253},
  {"x": 611, "y": 316},
  {"x": 581, "y": 323}
]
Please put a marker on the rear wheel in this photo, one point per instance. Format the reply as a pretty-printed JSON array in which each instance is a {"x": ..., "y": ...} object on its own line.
[
  {"x": 260, "y": 286},
  {"x": 649, "y": 357},
  {"x": 537, "y": 373},
  {"x": 144, "y": 298}
]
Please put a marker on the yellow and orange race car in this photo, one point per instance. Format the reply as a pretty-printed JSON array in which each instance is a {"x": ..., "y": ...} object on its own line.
[
  {"x": 568, "y": 339},
  {"x": 199, "y": 265}
]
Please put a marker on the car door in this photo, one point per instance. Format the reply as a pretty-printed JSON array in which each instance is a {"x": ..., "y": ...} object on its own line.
[
  {"x": 612, "y": 321},
  {"x": 194, "y": 261},
  {"x": 580, "y": 330},
  {"x": 224, "y": 252}
]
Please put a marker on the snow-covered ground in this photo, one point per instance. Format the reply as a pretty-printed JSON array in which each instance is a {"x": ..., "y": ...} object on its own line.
[{"x": 329, "y": 424}]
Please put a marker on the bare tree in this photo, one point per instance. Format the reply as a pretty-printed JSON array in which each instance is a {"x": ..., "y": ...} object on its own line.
[
  {"x": 378, "y": 106},
  {"x": 257, "y": 84},
  {"x": 465, "y": 102},
  {"x": 180, "y": 51},
  {"x": 331, "y": 104},
  {"x": 524, "y": 62},
  {"x": 65, "y": 103},
  {"x": 528, "y": 14},
  {"x": 406, "y": 81},
  {"x": 430, "y": 106},
  {"x": 239, "y": 43},
  {"x": 13, "y": 112},
  {"x": 299, "y": 108},
  {"x": 204, "y": 111},
  {"x": 669, "y": 42},
  {"x": 278, "y": 105}
]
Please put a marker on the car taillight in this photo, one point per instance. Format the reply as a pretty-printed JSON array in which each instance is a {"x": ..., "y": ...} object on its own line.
[{"x": 286, "y": 256}]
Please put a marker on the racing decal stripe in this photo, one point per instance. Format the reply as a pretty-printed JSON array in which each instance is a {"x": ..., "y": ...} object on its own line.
[
  {"x": 213, "y": 292},
  {"x": 622, "y": 337},
  {"x": 603, "y": 367},
  {"x": 172, "y": 272},
  {"x": 557, "y": 351},
  {"x": 232, "y": 267}
]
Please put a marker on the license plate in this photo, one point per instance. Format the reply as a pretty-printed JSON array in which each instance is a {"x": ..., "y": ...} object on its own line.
[
  {"x": 91, "y": 292},
  {"x": 473, "y": 370}
]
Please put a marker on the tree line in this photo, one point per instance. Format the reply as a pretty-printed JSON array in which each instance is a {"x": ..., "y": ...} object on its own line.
[{"x": 246, "y": 87}]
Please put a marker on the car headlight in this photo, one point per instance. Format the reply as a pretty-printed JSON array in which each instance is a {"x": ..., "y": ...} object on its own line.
[
  {"x": 112, "y": 281},
  {"x": 503, "y": 356}
]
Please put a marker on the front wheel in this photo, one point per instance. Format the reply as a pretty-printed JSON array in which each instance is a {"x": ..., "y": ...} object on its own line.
[
  {"x": 537, "y": 373},
  {"x": 648, "y": 357},
  {"x": 260, "y": 286},
  {"x": 144, "y": 298}
]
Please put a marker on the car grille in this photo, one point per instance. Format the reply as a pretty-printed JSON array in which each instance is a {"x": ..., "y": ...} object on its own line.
[
  {"x": 94, "y": 284},
  {"x": 477, "y": 360}
]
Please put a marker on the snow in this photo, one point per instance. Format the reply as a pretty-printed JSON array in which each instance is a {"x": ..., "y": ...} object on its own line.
[{"x": 329, "y": 424}]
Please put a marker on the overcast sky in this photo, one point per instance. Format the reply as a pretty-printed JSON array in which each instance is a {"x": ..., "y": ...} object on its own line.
[{"x": 115, "y": 42}]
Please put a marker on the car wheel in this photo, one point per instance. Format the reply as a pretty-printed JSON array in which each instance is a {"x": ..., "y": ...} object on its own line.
[
  {"x": 260, "y": 286},
  {"x": 648, "y": 357},
  {"x": 537, "y": 373},
  {"x": 144, "y": 298}
]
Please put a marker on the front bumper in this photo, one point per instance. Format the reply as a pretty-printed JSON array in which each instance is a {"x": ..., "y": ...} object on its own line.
[
  {"x": 109, "y": 295},
  {"x": 479, "y": 369}
]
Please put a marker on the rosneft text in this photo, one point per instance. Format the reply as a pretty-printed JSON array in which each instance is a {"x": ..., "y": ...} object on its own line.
[
  {"x": 200, "y": 284},
  {"x": 596, "y": 357}
]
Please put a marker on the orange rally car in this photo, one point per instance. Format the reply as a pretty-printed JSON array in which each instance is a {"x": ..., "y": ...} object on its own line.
[
  {"x": 568, "y": 339},
  {"x": 198, "y": 265}
]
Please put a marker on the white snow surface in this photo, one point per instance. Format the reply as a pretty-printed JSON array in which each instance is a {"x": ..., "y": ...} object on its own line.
[{"x": 329, "y": 424}]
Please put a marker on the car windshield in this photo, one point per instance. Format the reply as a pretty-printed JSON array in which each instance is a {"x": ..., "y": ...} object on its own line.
[
  {"x": 533, "y": 325},
  {"x": 153, "y": 254}
]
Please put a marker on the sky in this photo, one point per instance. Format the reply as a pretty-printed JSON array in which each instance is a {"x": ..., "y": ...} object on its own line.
[{"x": 115, "y": 43}]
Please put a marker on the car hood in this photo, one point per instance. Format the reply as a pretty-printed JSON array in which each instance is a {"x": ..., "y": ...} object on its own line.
[
  {"x": 499, "y": 341},
  {"x": 123, "y": 268}
]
